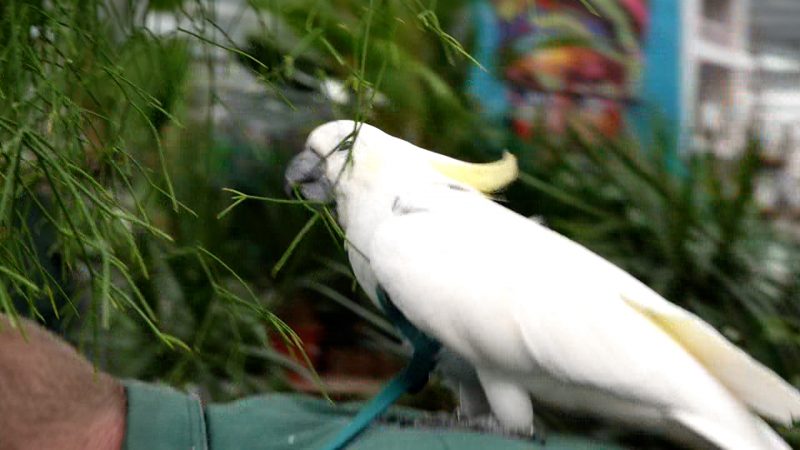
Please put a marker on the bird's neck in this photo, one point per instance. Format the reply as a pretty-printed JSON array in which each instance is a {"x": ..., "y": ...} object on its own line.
[{"x": 360, "y": 214}]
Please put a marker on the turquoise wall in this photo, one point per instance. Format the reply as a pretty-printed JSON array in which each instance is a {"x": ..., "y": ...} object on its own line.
[{"x": 662, "y": 89}]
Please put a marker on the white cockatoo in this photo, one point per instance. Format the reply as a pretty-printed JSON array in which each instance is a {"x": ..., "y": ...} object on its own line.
[{"x": 535, "y": 314}]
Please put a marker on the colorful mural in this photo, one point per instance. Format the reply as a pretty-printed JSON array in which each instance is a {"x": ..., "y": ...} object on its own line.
[{"x": 557, "y": 62}]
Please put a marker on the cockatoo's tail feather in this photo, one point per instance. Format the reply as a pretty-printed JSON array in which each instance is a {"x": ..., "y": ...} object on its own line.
[{"x": 749, "y": 380}]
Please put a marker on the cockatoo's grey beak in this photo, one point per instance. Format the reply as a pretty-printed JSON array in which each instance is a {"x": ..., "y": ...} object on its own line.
[{"x": 306, "y": 173}]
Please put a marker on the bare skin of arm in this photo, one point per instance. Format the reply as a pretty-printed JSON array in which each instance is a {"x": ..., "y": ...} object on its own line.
[{"x": 51, "y": 397}]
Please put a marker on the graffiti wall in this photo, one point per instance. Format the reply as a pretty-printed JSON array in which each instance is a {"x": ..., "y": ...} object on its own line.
[{"x": 560, "y": 63}]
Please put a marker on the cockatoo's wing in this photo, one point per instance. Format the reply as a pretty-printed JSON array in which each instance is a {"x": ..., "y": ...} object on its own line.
[{"x": 524, "y": 302}]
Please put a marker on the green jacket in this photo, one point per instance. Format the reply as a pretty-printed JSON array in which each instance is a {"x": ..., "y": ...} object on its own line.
[{"x": 161, "y": 418}]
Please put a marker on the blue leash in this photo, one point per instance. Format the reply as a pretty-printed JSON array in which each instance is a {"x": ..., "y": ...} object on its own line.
[{"x": 412, "y": 379}]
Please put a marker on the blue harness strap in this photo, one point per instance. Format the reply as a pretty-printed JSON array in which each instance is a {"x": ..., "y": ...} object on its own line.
[{"x": 411, "y": 379}]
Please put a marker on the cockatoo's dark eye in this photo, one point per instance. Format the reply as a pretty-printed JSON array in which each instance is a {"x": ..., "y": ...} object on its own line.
[{"x": 345, "y": 145}]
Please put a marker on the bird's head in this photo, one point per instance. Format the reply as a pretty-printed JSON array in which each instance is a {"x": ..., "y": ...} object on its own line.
[{"x": 341, "y": 154}]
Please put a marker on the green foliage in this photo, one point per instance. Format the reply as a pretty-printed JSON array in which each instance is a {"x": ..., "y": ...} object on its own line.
[
  {"x": 68, "y": 109},
  {"x": 398, "y": 48},
  {"x": 95, "y": 239},
  {"x": 213, "y": 289}
]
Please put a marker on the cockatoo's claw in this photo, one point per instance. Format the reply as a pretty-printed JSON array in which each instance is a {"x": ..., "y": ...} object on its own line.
[
  {"x": 539, "y": 430},
  {"x": 487, "y": 424}
]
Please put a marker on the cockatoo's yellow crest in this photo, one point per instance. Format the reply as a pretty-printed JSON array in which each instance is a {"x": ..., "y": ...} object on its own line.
[{"x": 487, "y": 177}]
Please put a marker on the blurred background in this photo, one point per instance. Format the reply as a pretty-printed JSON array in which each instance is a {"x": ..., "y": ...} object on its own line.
[{"x": 143, "y": 143}]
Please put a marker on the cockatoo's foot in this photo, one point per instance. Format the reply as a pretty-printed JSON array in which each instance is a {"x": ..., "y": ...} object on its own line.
[{"x": 487, "y": 424}]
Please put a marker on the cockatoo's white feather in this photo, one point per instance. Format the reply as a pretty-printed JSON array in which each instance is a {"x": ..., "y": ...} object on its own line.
[{"x": 537, "y": 314}]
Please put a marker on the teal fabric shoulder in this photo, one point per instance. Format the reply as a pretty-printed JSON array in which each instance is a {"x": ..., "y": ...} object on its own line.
[
  {"x": 292, "y": 422},
  {"x": 161, "y": 418}
]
